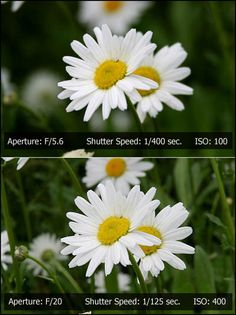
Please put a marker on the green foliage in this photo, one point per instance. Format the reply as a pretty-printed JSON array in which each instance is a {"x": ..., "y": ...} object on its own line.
[{"x": 203, "y": 271}]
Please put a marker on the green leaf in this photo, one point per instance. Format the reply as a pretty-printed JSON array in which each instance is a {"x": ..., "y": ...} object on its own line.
[
  {"x": 215, "y": 220},
  {"x": 183, "y": 281},
  {"x": 182, "y": 181},
  {"x": 204, "y": 274}
]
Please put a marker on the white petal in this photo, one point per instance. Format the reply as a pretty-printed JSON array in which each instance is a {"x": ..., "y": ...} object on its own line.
[{"x": 93, "y": 105}]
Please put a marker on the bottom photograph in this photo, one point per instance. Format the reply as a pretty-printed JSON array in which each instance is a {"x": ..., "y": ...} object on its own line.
[{"x": 117, "y": 236}]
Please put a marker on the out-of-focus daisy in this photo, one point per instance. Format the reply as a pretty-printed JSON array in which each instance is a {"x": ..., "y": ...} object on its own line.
[
  {"x": 165, "y": 226},
  {"x": 20, "y": 163},
  {"x": 97, "y": 123},
  {"x": 5, "y": 249},
  {"x": 8, "y": 89},
  {"x": 118, "y": 15},
  {"x": 123, "y": 172},
  {"x": 121, "y": 120},
  {"x": 15, "y": 5},
  {"x": 122, "y": 278},
  {"x": 103, "y": 74},
  {"x": 80, "y": 153},
  {"x": 40, "y": 91},
  {"x": 164, "y": 69},
  {"x": 107, "y": 228},
  {"x": 45, "y": 248}
]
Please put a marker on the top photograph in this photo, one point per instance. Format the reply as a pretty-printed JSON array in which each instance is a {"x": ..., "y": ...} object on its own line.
[{"x": 119, "y": 78}]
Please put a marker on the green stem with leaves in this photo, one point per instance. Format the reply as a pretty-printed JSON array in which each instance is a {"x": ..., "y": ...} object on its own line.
[
  {"x": 138, "y": 273},
  {"x": 226, "y": 214},
  {"x": 67, "y": 276},
  {"x": 9, "y": 228},
  {"x": 51, "y": 274},
  {"x": 136, "y": 118},
  {"x": 74, "y": 178},
  {"x": 24, "y": 207}
]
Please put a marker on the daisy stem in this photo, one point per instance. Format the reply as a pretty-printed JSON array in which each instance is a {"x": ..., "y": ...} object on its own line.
[
  {"x": 158, "y": 284},
  {"x": 138, "y": 273},
  {"x": 92, "y": 284},
  {"x": 69, "y": 16},
  {"x": 154, "y": 121},
  {"x": 226, "y": 214},
  {"x": 8, "y": 223},
  {"x": 52, "y": 275},
  {"x": 136, "y": 118},
  {"x": 73, "y": 177},
  {"x": 24, "y": 207},
  {"x": 67, "y": 275},
  {"x": 220, "y": 29}
]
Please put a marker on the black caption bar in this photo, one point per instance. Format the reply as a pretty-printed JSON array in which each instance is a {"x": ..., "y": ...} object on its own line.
[
  {"x": 115, "y": 140},
  {"x": 129, "y": 301}
]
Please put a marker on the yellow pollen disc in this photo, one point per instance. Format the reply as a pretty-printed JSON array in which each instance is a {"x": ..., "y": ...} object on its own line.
[
  {"x": 112, "y": 6},
  {"x": 148, "y": 250},
  {"x": 112, "y": 229},
  {"x": 150, "y": 73},
  {"x": 115, "y": 167},
  {"x": 108, "y": 73}
]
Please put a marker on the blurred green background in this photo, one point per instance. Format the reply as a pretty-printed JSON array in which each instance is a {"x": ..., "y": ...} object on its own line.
[
  {"x": 46, "y": 189},
  {"x": 39, "y": 35}
]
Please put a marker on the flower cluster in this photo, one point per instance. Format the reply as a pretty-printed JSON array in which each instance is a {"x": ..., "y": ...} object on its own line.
[
  {"x": 113, "y": 68},
  {"x": 114, "y": 225}
]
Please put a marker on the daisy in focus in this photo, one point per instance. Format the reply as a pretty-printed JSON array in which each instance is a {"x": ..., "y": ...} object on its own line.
[
  {"x": 104, "y": 73},
  {"x": 107, "y": 229},
  {"x": 123, "y": 172},
  {"x": 166, "y": 226},
  {"x": 122, "y": 278},
  {"x": 45, "y": 248},
  {"x": 163, "y": 68},
  {"x": 15, "y": 5},
  {"x": 118, "y": 15},
  {"x": 40, "y": 91},
  {"x": 20, "y": 163},
  {"x": 5, "y": 249}
]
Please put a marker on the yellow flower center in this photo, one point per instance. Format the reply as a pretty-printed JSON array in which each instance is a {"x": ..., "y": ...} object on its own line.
[
  {"x": 112, "y": 6},
  {"x": 112, "y": 229},
  {"x": 115, "y": 167},
  {"x": 150, "y": 73},
  {"x": 148, "y": 250},
  {"x": 108, "y": 73}
]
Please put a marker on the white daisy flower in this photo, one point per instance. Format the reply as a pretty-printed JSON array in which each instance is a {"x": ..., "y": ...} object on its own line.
[
  {"x": 164, "y": 69},
  {"x": 20, "y": 163},
  {"x": 107, "y": 228},
  {"x": 118, "y": 15},
  {"x": 15, "y": 5},
  {"x": 5, "y": 249},
  {"x": 122, "y": 278},
  {"x": 123, "y": 172},
  {"x": 44, "y": 247},
  {"x": 165, "y": 226},
  {"x": 40, "y": 91},
  {"x": 103, "y": 74},
  {"x": 80, "y": 153}
]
